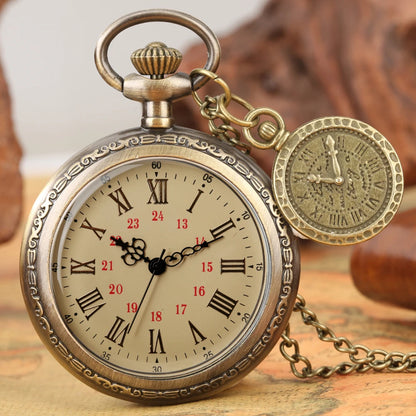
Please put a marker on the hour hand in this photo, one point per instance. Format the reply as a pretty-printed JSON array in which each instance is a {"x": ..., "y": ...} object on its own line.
[
  {"x": 134, "y": 251},
  {"x": 319, "y": 179}
]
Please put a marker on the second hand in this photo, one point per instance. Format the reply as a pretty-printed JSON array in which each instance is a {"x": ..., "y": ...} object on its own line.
[{"x": 153, "y": 266}]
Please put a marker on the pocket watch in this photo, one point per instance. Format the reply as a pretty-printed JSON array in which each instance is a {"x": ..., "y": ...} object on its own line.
[
  {"x": 155, "y": 264},
  {"x": 159, "y": 264}
]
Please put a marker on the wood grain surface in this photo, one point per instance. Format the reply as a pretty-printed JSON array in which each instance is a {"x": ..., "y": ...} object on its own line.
[{"x": 32, "y": 382}]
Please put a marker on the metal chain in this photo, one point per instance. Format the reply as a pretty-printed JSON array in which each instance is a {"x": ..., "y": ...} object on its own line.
[
  {"x": 272, "y": 133},
  {"x": 361, "y": 358},
  {"x": 272, "y": 136}
]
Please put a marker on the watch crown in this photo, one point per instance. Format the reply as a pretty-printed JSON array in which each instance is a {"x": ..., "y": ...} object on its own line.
[{"x": 156, "y": 60}]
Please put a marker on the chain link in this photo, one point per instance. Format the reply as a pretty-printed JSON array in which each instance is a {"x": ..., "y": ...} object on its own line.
[
  {"x": 272, "y": 133},
  {"x": 361, "y": 358}
]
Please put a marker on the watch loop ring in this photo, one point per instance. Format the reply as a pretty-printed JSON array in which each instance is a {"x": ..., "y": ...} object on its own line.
[{"x": 154, "y": 15}]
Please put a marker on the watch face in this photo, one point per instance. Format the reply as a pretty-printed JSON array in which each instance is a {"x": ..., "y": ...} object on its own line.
[
  {"x": 160, "y": 268},
  {"x": 163, "y": 269},
  {"x": 338, "y": 180}
]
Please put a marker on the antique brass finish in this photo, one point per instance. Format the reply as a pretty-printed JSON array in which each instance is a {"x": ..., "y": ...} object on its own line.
[{"x": 179, "y": 192}]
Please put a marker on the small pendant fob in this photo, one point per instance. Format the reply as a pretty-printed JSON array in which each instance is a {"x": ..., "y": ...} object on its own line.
[{"x": 337, "y": 180}]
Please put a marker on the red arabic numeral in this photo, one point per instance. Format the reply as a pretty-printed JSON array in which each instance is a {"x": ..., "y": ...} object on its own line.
[
  {"x": 131, "y": 307},
  {"x": 180, "y": 309},
  {"x": 182, "y": 223},
  {"x": 157, "y": 216},
  {"x": 115, "y": 289},
  {"x": 156, "y": 316},
  {"x": 133, "y": 223},
  {"x": 107, "y": 266},
  {"x": 207, "y": 266},
  {"x": 113, "y": 238},
  {"x": 199, "y": 290}
]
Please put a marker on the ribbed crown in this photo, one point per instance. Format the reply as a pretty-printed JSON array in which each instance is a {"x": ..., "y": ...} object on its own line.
[{"x": 156, "y": 59}]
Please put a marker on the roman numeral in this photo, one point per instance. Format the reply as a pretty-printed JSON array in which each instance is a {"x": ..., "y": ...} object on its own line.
[
  {"x": 195, "y": 201},
  {"x": 360, "y": 149},
  {"x": 233, "y": 266},
  {"x": 372, "y": 203},
  {"x": 341, "y": 142},
  {"x": 120, "y": 199},
  {"x": 222, "y": 303},
  {"x": 221, "y": 229},
  {"x": 374, "y": 165},
  {"x": 299, "y": 177},
  {"x": 303, "y": 198},
  {"x": 99, "y": 232},
  {"x": 196, "y": 333},
  {"x": 118, "y": 332},
  {"x": 338, "y": 220},
  {"x": 77, "y": 267},
  {"x": 306, "y": 156},
  {"x": 90, "y": 303},
  {"x": 316, "y": 213},
  {"x": 156, "y": 343},
  {"x": 357, "y": 215},
  {"x": 380, "y": 185},
  {"x": 158, "y": 191}
]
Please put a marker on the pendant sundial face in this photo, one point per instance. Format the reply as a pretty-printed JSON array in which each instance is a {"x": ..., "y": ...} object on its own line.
[
  {"x": 338, "y": 181},
  {"x": 198, "y": 305}
]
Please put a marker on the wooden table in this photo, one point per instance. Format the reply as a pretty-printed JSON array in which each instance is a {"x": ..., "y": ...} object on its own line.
[{"x": 33, "y": 383}]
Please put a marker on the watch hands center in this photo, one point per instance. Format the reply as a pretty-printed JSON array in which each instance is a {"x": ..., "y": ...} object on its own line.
[{"x": 157, "y": 266}]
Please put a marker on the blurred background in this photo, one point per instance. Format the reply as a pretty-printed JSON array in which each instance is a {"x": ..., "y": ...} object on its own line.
[{"x": 59, "y": 102}]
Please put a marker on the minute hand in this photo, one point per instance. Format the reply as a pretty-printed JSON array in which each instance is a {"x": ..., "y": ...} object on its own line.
[
  {"x": 330, "y": 142},
  {"x": 177, "y": 257}
]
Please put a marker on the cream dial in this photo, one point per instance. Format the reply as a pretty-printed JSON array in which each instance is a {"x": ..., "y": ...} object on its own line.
[{"x": 159, "y": 267}]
